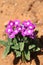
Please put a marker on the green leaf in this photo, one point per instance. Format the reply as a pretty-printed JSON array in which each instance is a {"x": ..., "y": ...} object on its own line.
[
  {"x": 21, "y": 45},
  {"x": 10, "y": 41},
  {"x": 15, "y": 40},
  {"x": 6, "y": 51},
  {"x": 27, "y": 55},
  {"x": 32, "y": 46},
  {"x": 25, "y": 38},
  {"x": 38, "y": 49},
  {"x": 18, "y": 53},
  {"x": 16, "y": 46},
  {"x": 3, "y": 42}
]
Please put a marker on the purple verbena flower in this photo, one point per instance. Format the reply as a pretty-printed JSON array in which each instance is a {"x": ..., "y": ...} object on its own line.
[
  {"x": 26, "y": 23},
  {"x": 24, "y": 33},
  {"x": 9, "y": 30},
  {"x": 29, "y": 32},
  {"x": 19, "y": 28},
  {"x": 17, "y": 22},
  {"x": 23, "y": 29},
  {"x": 12, "y": 35},
  {"x": 10, "y": 24},
  {"x": 31, "y": 26},
  {"x": 16, "y": 31}
]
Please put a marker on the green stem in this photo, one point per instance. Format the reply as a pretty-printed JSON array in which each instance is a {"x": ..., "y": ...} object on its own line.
[{"x": 23, "y": 57}]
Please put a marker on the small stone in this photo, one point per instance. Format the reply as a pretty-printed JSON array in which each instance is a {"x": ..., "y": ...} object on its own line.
[{"x": 15, "y": 4}]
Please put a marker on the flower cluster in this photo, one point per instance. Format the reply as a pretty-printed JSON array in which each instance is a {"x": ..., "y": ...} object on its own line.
[{"x": 26, "y": 28}]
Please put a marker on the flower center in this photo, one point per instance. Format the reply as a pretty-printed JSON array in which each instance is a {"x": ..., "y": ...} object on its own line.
[
  {"x": 16, "y": 22},
  {"x": 11, "y": 23},
  {"x": 30, "y": 26},
  {"x": 8, "y": 30},
  {"x": 27, "y": 23},
  {"x": 29, "y": 31}
]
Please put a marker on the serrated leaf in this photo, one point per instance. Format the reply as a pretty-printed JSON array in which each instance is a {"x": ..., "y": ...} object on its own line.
[
  {"x": 16, "y": 46},
  {"x": 18, "y": 53},
  {"x": 21, "y": 45},
  {"x": 27, "y": 55},
  {"x": 3, "y": 42},
  {"x": 32, "y": 46},
  {"x": 6, "y": 51}
]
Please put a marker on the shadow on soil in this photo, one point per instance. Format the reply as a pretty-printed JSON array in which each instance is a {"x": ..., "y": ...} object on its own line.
[
  {"x": 34, "y": 55},
  {"x": 16, "y": 61}
]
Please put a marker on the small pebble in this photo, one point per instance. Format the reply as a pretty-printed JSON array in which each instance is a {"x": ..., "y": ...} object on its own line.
[{"x": 15, "y": 4}]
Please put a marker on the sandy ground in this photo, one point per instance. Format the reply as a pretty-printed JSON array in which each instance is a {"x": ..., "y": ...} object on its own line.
[{"x": 23, "y": 10}]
